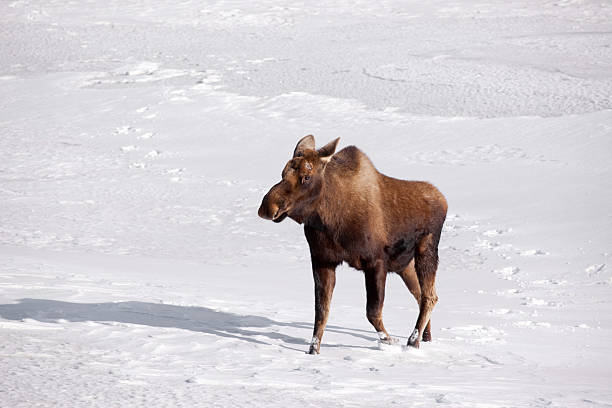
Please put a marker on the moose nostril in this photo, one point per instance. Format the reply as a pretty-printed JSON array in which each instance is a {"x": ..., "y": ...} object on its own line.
[
  {"x": 262, "y": 212},
  {"x": 266, "y": 211},
  {"x": 271, "y": 204}
]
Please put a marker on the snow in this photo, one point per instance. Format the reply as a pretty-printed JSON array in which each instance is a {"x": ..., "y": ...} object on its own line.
[{"x": 138, "y": 138}]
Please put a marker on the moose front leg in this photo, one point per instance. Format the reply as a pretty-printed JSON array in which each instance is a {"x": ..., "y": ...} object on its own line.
[
  {"x": 324, "y": 282},
  {"x": 375, "y": 280}
]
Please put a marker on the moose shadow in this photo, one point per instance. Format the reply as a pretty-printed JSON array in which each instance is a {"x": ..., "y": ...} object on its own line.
[{"x": 194, "y": 318}]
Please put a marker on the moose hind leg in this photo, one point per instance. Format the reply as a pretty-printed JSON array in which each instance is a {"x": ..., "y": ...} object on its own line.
[
  {"x": 375, "y": 280},
  {"x": 411, "y": 280},
  {"x": 324, "y": 280},
  {"x": 426, "y": 265}
]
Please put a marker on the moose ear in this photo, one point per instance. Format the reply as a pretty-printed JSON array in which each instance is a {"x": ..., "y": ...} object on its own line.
[
  {"x": 305, "y": 143},
  {"x": 326, "y": 152}
]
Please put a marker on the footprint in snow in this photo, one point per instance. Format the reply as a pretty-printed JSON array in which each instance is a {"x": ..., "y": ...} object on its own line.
[
  {"x": 147, "y": 135},
  {"x": 509, "y": 292},
  {"x": 533, "y": 252},
  {"x": 179, "y": 95},
  {"x": 595, "y": 269},
  {"x": 496, "y": 232},
  {"x": 124, "y": 130},
  {"x": 534, "y": 302},
  {"x": 494, "y": 246},
  {"x": 507, "y": 273},
  {"x": 540, "y": 282},
  {"x": 500, "y": 312},
  {"x": 477, "y": 334},
  {"x": 528, "y": 324},
  {"x": 175, "y": 174},
  {"x": 175, "y": 171},
  {"x": 153, "y": 154}
]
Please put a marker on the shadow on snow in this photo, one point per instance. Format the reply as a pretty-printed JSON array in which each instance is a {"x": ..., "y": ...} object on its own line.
[{"x": 194, "y": 318}]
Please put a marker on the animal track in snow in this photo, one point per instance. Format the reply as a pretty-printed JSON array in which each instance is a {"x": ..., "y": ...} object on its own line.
[
  {"x": 153, "y": 154},
  {"x": 477, "y": 333},
  {"x": 492, "y": 245},
  {"x": 496, "y": 232},
  {"x": 507, "y": 273},
  {"x": 550, "y": 282},
  {"x": 509, "y": 292},
  {"x": 472, "y": 155},
  {"x": 178, "y": 95},
  {"x": 498, "y": 246},
  {"x": 143, "y": 68},
  {"x": 147, "y": 135},
  {"x": 528, "y": 324},
  {"x": 500, "y": 312},
  {"x": 139, "y": 73},
  {"x": 595, "y": 269},
  {"x": 533, "y": 252},
  {"x": 175, "y": 174},
  {"x": 129, "y": 130},
  {"x": 534, "y": 302},
  {"x": 124, "y": 130}
]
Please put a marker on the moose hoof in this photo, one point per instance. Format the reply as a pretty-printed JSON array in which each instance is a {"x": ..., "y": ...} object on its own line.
[
  {"x": 413, "y": 340},
  {"x": 389, "y": 341},
  {"x": 315, "y": 343},
  {"x": 426, "y": 336},
  {"x": 312, "y": 351},
  {"x": 416, "y": 344},
  {"x": 384, "y": 338}
]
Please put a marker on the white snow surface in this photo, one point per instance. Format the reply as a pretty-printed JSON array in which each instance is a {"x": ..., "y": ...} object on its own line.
[{"x": 139, "y": 136}]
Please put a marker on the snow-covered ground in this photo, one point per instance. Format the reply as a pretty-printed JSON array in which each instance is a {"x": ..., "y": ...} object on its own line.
[{"x": 138, "y": 138}]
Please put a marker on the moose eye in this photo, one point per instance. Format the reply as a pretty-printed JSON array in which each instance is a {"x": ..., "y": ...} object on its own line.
[{"x": 305, "y": 179}]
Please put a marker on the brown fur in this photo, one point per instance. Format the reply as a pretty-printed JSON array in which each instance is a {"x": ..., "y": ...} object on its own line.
[{"x": 352, "y": 213}]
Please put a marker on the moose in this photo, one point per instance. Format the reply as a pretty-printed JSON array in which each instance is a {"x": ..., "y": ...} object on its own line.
[{"x": 377, "y": 224}]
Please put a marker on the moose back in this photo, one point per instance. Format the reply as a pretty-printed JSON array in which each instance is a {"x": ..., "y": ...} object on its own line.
[{"x": 377, "y": 224}]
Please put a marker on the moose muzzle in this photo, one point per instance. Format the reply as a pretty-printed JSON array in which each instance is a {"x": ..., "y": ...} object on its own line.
[{"x": 272, "y": 206}]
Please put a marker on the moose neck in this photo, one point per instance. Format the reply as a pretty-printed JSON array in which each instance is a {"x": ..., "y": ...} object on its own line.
[
  {"x": 350, "y": 184},
  {"x": 327, "y": 207}
]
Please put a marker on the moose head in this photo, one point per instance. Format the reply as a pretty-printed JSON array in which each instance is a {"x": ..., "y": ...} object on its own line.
[{"x": 301, "y": 184}]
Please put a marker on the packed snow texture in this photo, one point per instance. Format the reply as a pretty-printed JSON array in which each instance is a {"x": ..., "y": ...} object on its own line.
[{"x": 138, "y": 138}]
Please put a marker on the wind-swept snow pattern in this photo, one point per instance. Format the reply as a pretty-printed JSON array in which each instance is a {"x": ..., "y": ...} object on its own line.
[{"x": 138, "y": 138}]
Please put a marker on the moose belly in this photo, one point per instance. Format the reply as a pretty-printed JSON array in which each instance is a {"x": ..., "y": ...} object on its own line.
[
  {"x": 399, "y": 255},
  {"x": 359, "y": 250},
  {"x": 396, "y": 257}
]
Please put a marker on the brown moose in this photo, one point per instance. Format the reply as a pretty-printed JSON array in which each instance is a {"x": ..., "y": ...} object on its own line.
[{"x": 377, "y": 224}]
